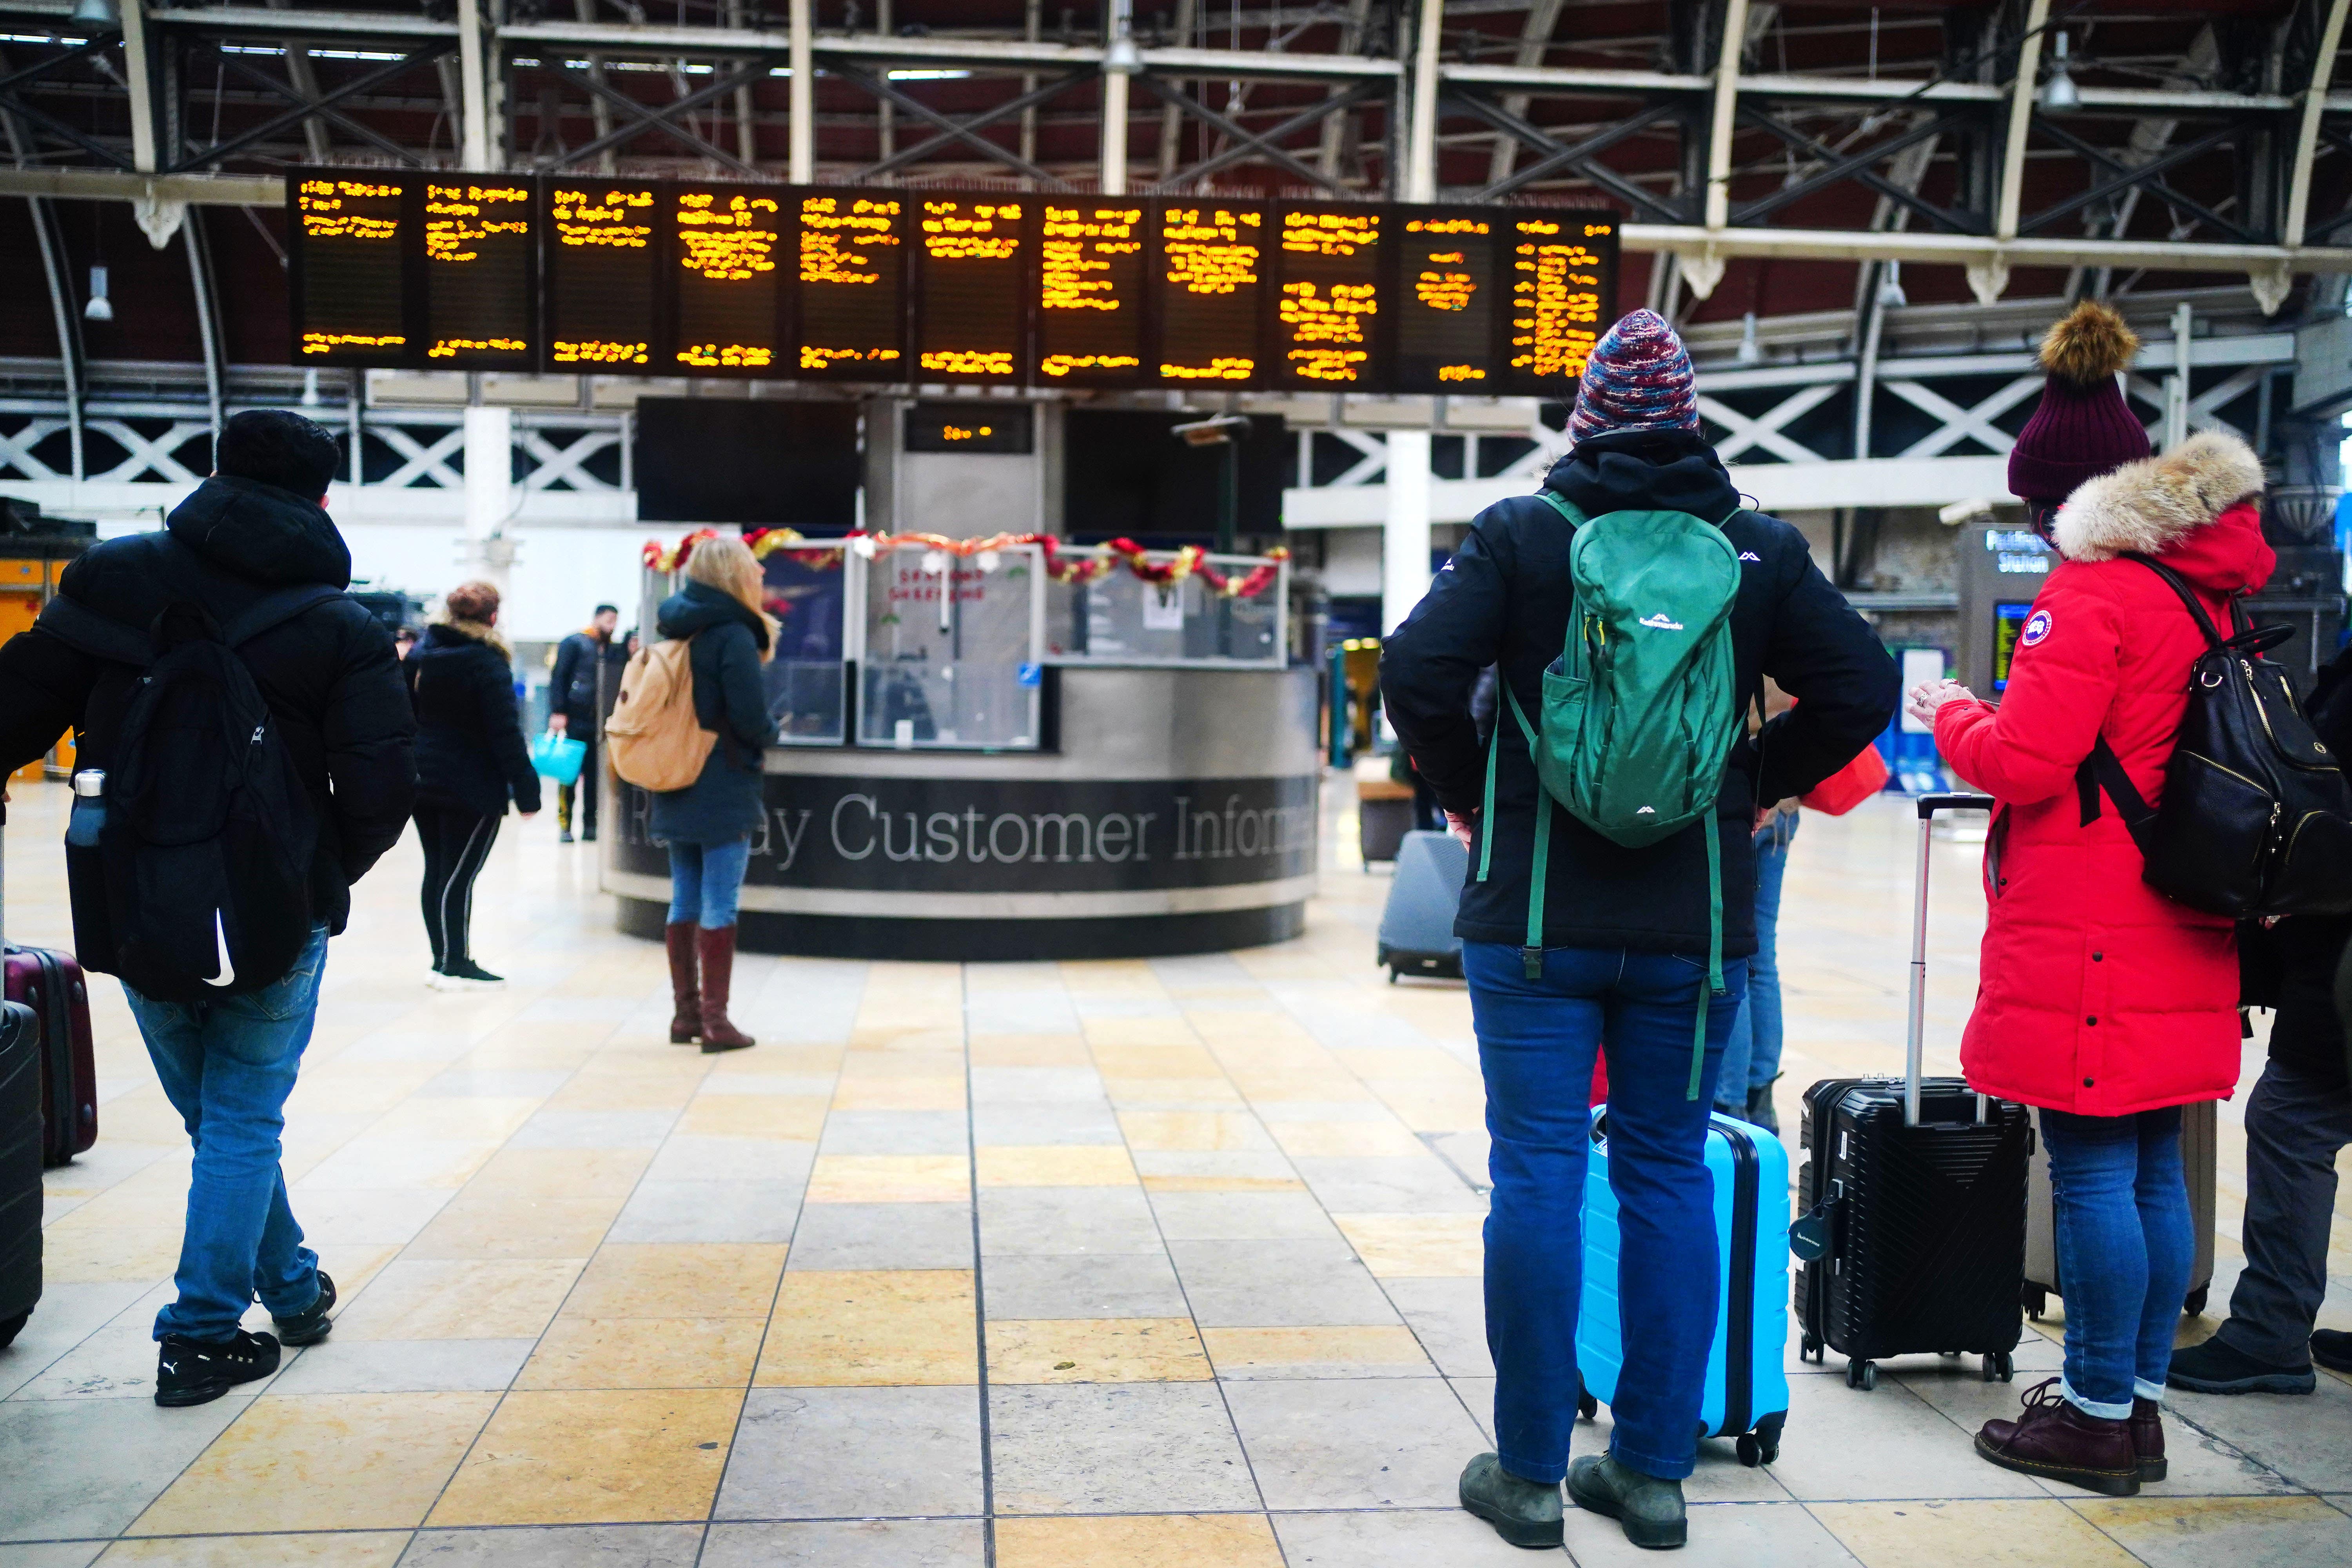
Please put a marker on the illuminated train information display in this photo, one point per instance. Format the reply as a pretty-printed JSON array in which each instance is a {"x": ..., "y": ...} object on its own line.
[{"x": 583, "y": 273}]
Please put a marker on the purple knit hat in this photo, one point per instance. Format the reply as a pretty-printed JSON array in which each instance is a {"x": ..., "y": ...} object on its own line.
[
  {"x": 1639, "y": 378},
  {"x": 2082, "y": 428}
]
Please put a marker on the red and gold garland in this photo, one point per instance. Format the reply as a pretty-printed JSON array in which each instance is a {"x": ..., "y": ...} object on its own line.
[{"x": 1190, "y": 561}]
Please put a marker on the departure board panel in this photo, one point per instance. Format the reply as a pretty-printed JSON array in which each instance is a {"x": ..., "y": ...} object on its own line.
[
  {"x": 726, "y": 256},
  {"x": 852, "y": 250},
  {"x": 480, "y": 309},
  {"x": 1327, "y": 314},
  {"x": 1090, "y": 272},
  {"x": 973, "y": 256},
  {"x": 1443, "y": 301},
  {"x": 1563, "y": 297},
  {"x": 603, "y": 272},
  {"x": 350, "y": 261},
  {"x": 1208, "y": 265}
]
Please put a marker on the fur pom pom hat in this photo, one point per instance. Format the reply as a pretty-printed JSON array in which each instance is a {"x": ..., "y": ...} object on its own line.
[{"x": 2081, "y": 427}]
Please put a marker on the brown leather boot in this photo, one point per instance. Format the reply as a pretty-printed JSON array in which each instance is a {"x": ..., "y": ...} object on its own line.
[
  {"x": 684, "y": 991},
  {"x": 2058, "y": 1442},
  {"x": 2148, "y": 1439},
  {"x": 717, "y": 949}
]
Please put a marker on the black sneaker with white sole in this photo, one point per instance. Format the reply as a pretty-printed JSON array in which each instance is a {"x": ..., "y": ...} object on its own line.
[
  {"x": 312, "y": 1324},
  {"x": 197, "y": 1371}
]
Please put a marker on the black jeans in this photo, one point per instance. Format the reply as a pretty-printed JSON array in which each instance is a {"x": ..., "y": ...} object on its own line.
[
  {"x": 582, "y": 727},
  {"x": 2295, "y": 1126},
  {"x": 457, "y": 842}
]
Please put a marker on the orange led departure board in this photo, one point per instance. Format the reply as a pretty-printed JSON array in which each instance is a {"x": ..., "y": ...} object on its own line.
[
  {"x": 1090, "y": 292},
  {"x": 726, "y": 257},
  {"x": 601, "y": 260},
  {"x": 350, "y": 266},
  {"x": 1563, "y": 297},
  {"x": 1329, "y": 306},
  {"x": 852, "y": 250},
  {"x": 973, "y": 256},
  {"x": 479, "y": 313},
  {"x": 1443, "y": 301},
  {"x": 1208, "y": 278}
]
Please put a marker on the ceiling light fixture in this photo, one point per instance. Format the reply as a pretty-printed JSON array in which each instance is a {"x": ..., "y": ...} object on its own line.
[{"x": 2058, "y": 93}]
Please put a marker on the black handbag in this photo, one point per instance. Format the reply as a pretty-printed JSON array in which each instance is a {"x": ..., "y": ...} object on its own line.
[{"x": 2256, "y": 818}]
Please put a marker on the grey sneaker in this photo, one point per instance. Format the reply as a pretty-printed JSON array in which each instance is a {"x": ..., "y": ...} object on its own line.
[
  {"x": 1649, "y": 1510},
  {"x": 1523, "y": 1512}
]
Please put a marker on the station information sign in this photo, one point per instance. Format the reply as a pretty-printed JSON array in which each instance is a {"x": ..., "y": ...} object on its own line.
[{"x": 907, "y": 287}]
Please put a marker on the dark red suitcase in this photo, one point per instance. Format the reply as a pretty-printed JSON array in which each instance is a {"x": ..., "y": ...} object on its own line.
[{"x": 51, "y": 983}]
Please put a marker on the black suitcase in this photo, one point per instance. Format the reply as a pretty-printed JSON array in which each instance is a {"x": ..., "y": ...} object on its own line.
[
  {"x": 1913, "y": 1191},
  {"x": 1417, "y": 922},
  {"x": 21, "y": 1144}
]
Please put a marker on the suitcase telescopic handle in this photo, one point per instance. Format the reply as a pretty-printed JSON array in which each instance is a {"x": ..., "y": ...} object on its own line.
[{"x": 1915, "y": 1043}]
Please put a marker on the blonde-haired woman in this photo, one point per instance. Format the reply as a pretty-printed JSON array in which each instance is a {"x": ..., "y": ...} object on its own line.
[{"x": 708, "y": 825}]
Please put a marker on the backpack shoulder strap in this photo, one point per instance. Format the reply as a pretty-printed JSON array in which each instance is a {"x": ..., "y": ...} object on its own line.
[
  {"x": 79, "y": 627},
  {"x": 2180, "y": 585},
  {"x": 1566, "y": 509},
  {"x": 275, "y": 609}
]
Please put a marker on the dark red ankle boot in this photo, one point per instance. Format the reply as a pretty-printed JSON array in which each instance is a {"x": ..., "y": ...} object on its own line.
[
  {"x": 2054, "y": 1439},
  {"x": 2148, "y": 1438}
]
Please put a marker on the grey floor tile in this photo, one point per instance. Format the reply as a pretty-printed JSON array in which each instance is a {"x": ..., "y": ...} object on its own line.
[
  {"x": 1360, "y": 1442},
  {"x": 1277, "y": 1284},
  {"x": 519, "y": 1083},
  {"x": 1449, "y": 1318},
  {"x": 404, "y": 1366},
  {"x": 708, "y": 1211},
  {"x": 1253, "y": 1164},
  {"x": 367, "y": 1217},
  {"x": 2307, "y": 1440},
  {"x": 557, "y": 1546},
  {"x": 594, "y": 1129},
  {"x": 1393, "y": 1538},
  {"x": 1015, "y": 1013},
  {"x": 883, "y": 1235},
  {"x": 65, "y": 1317},
  {"x": 1843, "y": 1445},
  {"x": 997, "y": 1124},
  {"x": 852, "y": 1453},
  {"x": 1098, "y": 1285},
  {"x": 51, "y": 1555},
  {"x": 1067, "y": 1219},
  {"x": 1722, "y": 1535},
  {"x": 1037, "y": 1086},
  {"x": 695, "y": 1157},
  {"x": 1116, "y": 1447},
  {"x": 1241, "y": 1216},
  {"x": 895, "y": 1133},
  {"x": 849, "y": 1544},
  {"x": 1477, "y": 1396},
  {"x": 89, "y": 1466},
  {"x": 1416, "y": 1184}
]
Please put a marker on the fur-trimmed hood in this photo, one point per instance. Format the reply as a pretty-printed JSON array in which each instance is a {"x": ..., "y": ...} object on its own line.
[{"x": 2149, "y": 505}]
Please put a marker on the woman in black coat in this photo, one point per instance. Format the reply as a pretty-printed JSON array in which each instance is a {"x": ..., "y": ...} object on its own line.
[
  {"x": 471, "y": 761},
  {"x": 708, "y": 825}
]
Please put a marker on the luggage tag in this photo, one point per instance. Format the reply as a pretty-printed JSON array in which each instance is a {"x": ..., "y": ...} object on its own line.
[{"x": 1809, "y": 1238}]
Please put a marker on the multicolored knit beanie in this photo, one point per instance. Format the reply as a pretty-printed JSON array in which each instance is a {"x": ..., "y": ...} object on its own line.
[{"x": 1639, "y": 378}]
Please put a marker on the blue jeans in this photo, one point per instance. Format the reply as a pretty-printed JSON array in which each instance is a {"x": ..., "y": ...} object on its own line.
[
  {"x": 705, "y": 881},
  {"x": 227, "y": 1068},
  {"x": 1537, "y": 1041},
  {"x": 2124, "y": 1251},
  {"x": 1751, "y": 1058}
]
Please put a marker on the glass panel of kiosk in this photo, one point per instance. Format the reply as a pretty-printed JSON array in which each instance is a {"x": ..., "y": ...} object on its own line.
[
  {"x": 950, "y": 652},
  {"x": 1121, "y": 617},
  {"x": 808, "y": 588}
]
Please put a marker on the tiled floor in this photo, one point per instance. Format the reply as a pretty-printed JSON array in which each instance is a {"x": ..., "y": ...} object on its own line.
[{"x": 1138, "y": 1264}]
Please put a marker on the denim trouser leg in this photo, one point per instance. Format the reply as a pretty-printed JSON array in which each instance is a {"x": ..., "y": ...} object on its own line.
[
  {"x": 227, "y": 1068},
  {"x": 1537, "y": 1041},
  {"x": 2124, "y": 1251},
  {"x": 1751, "y": 1055},
  {"x": 2296, "y": 1124},
  {"x": 705, "y": 881},
  {"x": 685, "y": 883}
]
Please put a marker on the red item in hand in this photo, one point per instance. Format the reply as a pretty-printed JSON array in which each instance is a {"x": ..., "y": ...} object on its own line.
[{"x": 1850, "y": 786}]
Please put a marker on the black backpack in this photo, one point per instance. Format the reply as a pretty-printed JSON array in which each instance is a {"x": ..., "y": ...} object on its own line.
[
  {"x": 200, "y": 883},
  {"x": 2256, "y": 818}
]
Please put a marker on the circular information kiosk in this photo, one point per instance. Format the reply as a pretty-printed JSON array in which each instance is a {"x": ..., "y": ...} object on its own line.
[{"x": 1000, "y": 749}]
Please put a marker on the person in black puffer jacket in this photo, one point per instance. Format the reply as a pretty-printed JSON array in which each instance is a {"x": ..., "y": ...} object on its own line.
[
  {"x": 708, "y": 825},
  {"x": 471, "y": 761}
]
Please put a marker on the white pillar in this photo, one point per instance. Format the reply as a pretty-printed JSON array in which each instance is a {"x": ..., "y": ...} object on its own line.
[
  {"x": 801, "y": 164},
  {"x": 490, "y": 493},
  {"x": 1114, "y": 133},
  {"x": 1404, "y": 532},
  {"x": 1420, "y": 132},
  {"x": 474, "y": 103},
  {"x": 1727, "y": 111},
  {"x": 138, "y": 78},
  {"x": 2176, "y": 386}
]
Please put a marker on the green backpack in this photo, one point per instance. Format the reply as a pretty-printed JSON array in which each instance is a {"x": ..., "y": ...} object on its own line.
[{"x": 1639, "y": 712}]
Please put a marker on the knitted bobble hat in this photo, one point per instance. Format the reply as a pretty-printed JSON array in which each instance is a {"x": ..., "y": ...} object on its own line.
[
  {"x": 1639, "y": 378},
  {"x": 2082, "y": 428}
]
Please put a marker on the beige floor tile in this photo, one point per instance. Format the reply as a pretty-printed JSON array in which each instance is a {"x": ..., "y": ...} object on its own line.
[
  {"x": 674, "y": 1279},
  {"x": 890, "y": 1179},
  {"x": 790, "y": 1116},
  {"x": 1184, "y": 1058},
  {"x": 1173, "y": 1093},
  {"x": 1975, "y": 1534},
  {"x": 1127, "y": 1033},
  {"x": 1138, "y": 1540},
  {"x": 863, "y": 1090},
  {"x": 871, "y": 1327},
  {"x": 1360, "y": 1351},
  {"x": 1101, "y": 1350},
  {"x": 1192, "y": 1130},
  {"x": 569, "y": 1457},
  {"x": 89, "y": 1254},
  {"x": 352, "y": 1549},
  {"x": 1210, "y": 1182},
  {"x": 516, "y": 1227},
  {"x": 467, "y": 1299},
  {"x": 1057, "y": 1165},
  {"x": 1029, "y": 1051},
  {"x": 1417, "y": 1246},
  {"x": 2243, "y": 1532},
  {"x": 463, "y": 1117},
  {"x": 619, "y": 1091},
  {"x": 1344, "y": 1140},
  {"x": 337, "y": 1461},
  {"x": 783, "y": 1059},
  {"x": 643, "y": 1352},
  {"x": 561, "y": 1172}
]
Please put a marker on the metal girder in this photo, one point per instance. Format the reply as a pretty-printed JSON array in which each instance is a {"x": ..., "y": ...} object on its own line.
[
  {"x": 2145, "y": 176},
  {"x": 257, "y": 21},
  {"x": 965, "y": 129},
  {"x": 1972, "y": 250},
  {"x": 13, "y": 99},
  {"x": 1579, "y": 156},
  {"x": 307, "y": 107},
  {"x": 1857, "y": 166},
  {"x": 109, "y": 185},
  {"x": 1247, "y": 145},
  {"x": 661, "y": 117}
]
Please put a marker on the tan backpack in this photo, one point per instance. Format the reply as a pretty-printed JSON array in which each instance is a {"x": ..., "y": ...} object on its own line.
[{"x": 653, "y": 737}]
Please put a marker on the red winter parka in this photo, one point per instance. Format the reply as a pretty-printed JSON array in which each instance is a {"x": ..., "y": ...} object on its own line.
[{"x": 2098, "y": 995}]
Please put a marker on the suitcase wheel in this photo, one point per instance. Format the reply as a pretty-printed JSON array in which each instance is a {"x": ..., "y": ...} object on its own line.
[
  {"x": 1999, "y": 1368},
  {"x": 2193, "y": 1304},
  {"x": 1809, "y": 1348},
  {"x": 1588, "y": 1407},
  {"x": 1862, "y": 1375},
  {"x": 2035, "y": 1300},
  {"x": 9, "y": 1326},
  {"x": 1393, "y": 973}
]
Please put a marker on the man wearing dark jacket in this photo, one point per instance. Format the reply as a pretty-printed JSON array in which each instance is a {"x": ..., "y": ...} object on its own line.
[
  {"x": 581, "y": 692},
  {"x": 332, "y": 685},
  {"x": 1625, "y": 936}
]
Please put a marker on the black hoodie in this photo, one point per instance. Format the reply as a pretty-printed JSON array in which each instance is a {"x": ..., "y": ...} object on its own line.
[
  {"x": 1504, "y": 599},
  {"x": 328, "y": 674}
]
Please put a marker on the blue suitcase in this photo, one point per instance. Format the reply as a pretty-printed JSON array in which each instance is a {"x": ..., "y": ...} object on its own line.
[{"x": 1747, "y": 1395}]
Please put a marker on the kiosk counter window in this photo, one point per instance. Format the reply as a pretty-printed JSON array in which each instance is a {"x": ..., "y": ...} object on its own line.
[
  {"x": 808, "y": 592},
  {"x": 1122, "y": 617},
  {"x": 951, "y": 656}
]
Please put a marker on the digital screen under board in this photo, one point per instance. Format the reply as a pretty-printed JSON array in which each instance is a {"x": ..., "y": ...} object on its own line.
[
  {"x": 973, "y": 253},
  {"x": 726, "y": 259},
  {"x": 1563, "y": 297},
  {"x": 350, "y": 234},
  {"x": 602, "y": 274},
  {"x": 970, "y": 426},
  {"x": 1443, "y": 303},
  {"x": 1328, "y": 313},
  {"x": 1209, "y": 267},
  {"x": 479, "y": 259},
  {"x": 852, "y": 257},
  {"x": 1091, "y": 294}
]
